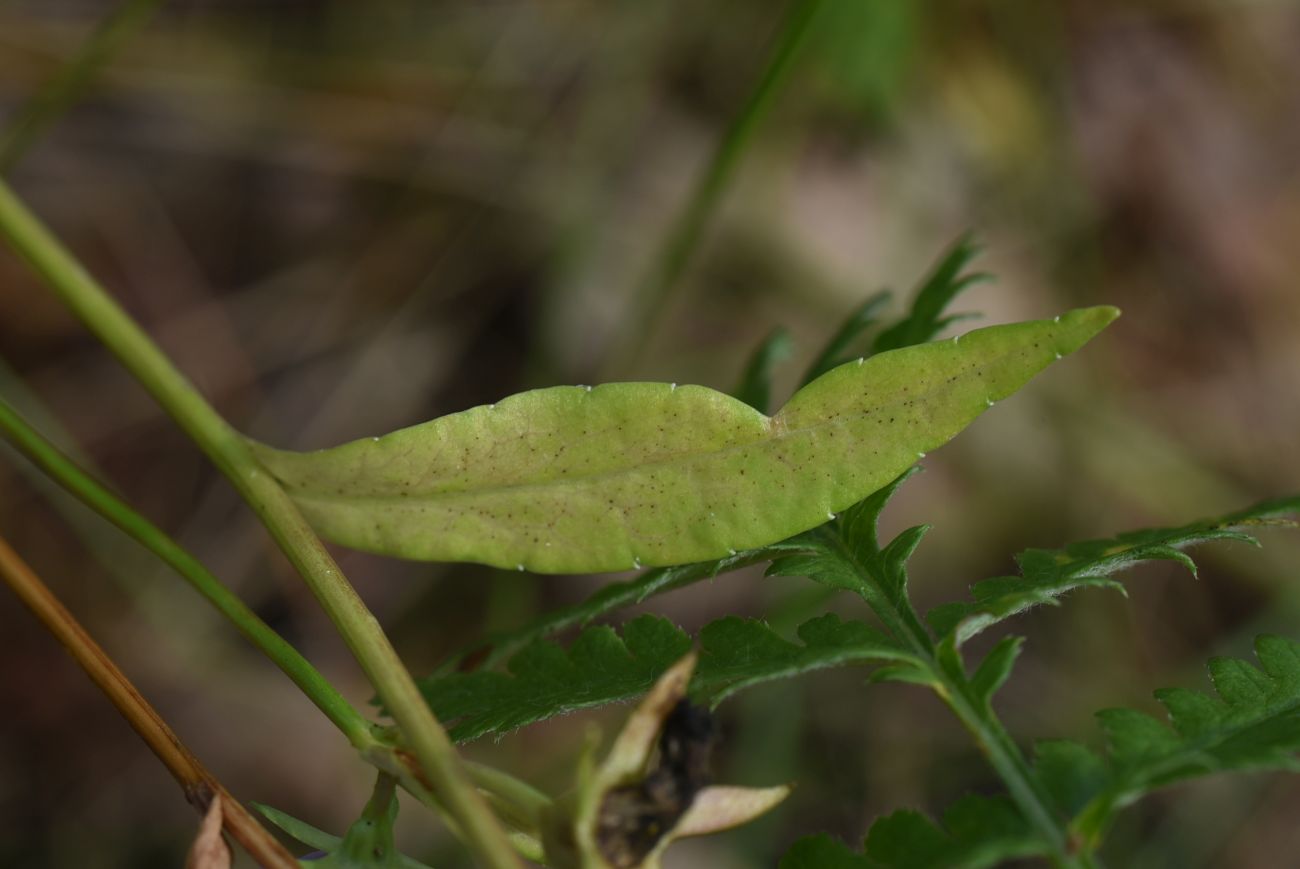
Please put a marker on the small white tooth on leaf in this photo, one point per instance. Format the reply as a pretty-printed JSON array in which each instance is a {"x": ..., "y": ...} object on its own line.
[{"x": 674, "y": 477}]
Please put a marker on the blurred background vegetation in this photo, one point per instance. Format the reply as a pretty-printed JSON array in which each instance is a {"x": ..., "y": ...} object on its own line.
[{"x": 344, "y": 218}]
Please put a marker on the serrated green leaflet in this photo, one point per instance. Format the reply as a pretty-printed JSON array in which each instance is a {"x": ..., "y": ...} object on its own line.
[
  {"x": 1049, "y": 573},
  {"x": 584, "y": 480},
  {"x": 1253, "y": 723},
  {"x": 822, "y": 852},
  {"x": 603, "y": 667},
  {"x": 976, "y": 832}
]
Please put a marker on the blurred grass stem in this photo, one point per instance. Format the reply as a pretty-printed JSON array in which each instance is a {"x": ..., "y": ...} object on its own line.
[
  {"x": 60, "y": 92},
  {"x": 199, "y": 785},
  {"x": 655, "y": 290},
  {"x": 229, "y": 451},
  {"x": 98, "y": 497}
]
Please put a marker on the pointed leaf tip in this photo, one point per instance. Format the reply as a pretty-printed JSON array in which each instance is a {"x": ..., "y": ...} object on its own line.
[
  {"x": 625, "y": 475},
  {"x": 1082, "y": 324}
]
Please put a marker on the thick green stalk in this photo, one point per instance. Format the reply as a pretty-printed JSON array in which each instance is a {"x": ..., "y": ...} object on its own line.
[
  {"x": 61, "y": 91},
  {"x": 98, "y": 497},
  {"x": 229, "y": 451},
  {"x": 688, "y": 227}
]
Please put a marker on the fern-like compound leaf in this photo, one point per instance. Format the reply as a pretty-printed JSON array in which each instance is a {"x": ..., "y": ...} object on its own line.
[
  {"x": 571, "y": 479},
  {"x": 839, "y": 349},
  {"x": 976, "y": 832},
  {"x": 755, "y": 387},
  {"x": 601, "y": 666},
  {"x": 927, "y": 318},
  {"x": 1048, "y": 573},
  {"x": 844, "y": 555},
  {"x": 1252, "y": 723},
  {"x": 823, "y": 851},
  {"x": 606, "y": 599}
]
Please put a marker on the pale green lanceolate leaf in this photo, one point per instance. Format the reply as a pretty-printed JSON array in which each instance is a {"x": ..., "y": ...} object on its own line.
[
  {"x": 859, "y": 521},
  {"x": 976, "y": 832},
  {"x": 755, "y": 390},
  {"x": 1048, "y": 573},
  {"x": 1252, "y": 723},
  {"x": 600, "y": 666},
  {"x": 571, "y": 479}
]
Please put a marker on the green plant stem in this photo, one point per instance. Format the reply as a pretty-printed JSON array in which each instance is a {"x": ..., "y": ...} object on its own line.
[
  {"x": 524, "y": 802},
  {"x": 1009, "y": 762},
  {"x": 519, "y": 802},
  {"x": 684, "y": 236},
  {"x": 229, "y": 451},
  {"x": 955, "y": 691},
  {"x": 63, "y": 89},
  {"x": 98, "y": 497}
]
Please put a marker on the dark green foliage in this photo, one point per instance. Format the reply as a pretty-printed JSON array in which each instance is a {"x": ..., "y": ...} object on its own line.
[
  {"x": 823, "y": 852},
  {"x": 846, "y": 554},
  {"x": 1061, "y": 806},
  {"x": 1048, "y": 573},
  {"x": 1253, "y": 723},
  {"x": 922, "y": 323},
  {"x": 755, "y": 387},
  {"x": 944, "y": 283},
  {"x": 545, "y": 680},
  {"x": 738, "y": 653},
  {"x": 600, "y": 667},
  {"x": 1071, "y": 773},
  {"x": 993, "y": 671},
  {"x": 609, "y": 598},
  {"x": 976, "y": 832},
  {"x": 838, "y": 349}
]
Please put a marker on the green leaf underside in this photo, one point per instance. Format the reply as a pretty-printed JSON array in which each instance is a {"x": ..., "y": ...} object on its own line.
[
  {"x": 1048, "y": 573},
  {"x": 579, "y": 480},
  {"x": 601, "y": 667},
  {"x": 976, "y": 832},
  {"x": 1252, "y": 723}
]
